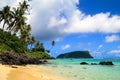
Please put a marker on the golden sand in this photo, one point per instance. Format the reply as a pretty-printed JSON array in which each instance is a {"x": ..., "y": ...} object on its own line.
[
  {"x": 27, "y": 73},
  {"x": 4, "y": 70}
]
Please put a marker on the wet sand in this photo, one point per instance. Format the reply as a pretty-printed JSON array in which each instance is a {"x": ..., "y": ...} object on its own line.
[{"x": 27, "y": 73}]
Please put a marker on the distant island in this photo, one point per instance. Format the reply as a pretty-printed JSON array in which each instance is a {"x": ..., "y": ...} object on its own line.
[{"x": 75, "y": 54}]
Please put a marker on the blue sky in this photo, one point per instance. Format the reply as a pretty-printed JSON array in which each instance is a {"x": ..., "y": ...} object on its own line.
[
  {"x": 95, "y": 6},
  {"x": 92, "y": 25},
  {"x": 94, "y": 42}
]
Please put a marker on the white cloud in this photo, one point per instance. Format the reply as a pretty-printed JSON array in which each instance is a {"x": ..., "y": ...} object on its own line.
[
  {"x": 114, "y": 52},
  {"x": 54, "y": 22},
  {"x": 58, "y": 18},
  {"x": 100, "y": 46},
  {"x": 97, "y": 54},
  {"x": 112, "y": 38},
  {"x": 65, "y": 47},
  {"x": 102, "y": 22},
  {"x": 58, "y": 39},
  {"x": 52, "y": 19},
  {"x": 11, "y": 3},
  {"x": 80, "y": 45},
  {"x": 118, "y": 46},
  {"x": 49, "y": 18}
]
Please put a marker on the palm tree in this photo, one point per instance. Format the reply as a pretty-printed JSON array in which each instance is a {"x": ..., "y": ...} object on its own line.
[
  {"x": 18, "y": 15},
  {"x": 41, "y": 48},
  {"x": 25, "y": 34},
  {"x": 31, "y": 42},
  {"x": 5, "y": 16},
  {"x": 28, "y": 37},
  {"x": 18, "y": 21},
  {"x": 24, "y": 6},
  {"x": 15, "y": 18},
  {"x": 53, "y": 44},
  {"x": 37, "y": 44}
]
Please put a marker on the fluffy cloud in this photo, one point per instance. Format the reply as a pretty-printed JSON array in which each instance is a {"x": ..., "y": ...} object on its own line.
[
  {"x": 112, "y": 38},
  {"x": 65, "y": 47},
  {"x": 102, "y": 22},
  {"x": 49, "y": 18},
  {"x": 57, "y": 18},
  {"x": 100, "y": 46},
  {"x": 115, "y": 53},
  {"x": 118, "y": 46},
  {"x": 11, "y": 3}
]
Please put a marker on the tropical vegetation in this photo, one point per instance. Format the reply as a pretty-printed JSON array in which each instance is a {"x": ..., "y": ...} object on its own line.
[{"x": 15, "y": 33}]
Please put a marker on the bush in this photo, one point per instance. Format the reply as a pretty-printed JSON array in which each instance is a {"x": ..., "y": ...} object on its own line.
[
  {"x": 12, "y": 41},
  {"x": 40, "y": 55}
]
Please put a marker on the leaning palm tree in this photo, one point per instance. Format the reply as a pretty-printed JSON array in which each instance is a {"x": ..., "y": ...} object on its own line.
[
  {"x": 15, "y": 18},
  {"x": 31, "y": 41},
  {"x": 41, "y": 48},
  {"x": 18, "y": 21},
  {"x": 5, "y": 16},
  {"x": 28, "y": 37},
  {"x": 24, "y": 6},
  {"x": 25, "y": 34},
  {"x": 37, "y": 44},
  {"x": 19, "y": 17},
  {"x": 53, "y": 44}
]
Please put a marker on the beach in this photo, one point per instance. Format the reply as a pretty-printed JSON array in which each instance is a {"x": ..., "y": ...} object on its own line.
[
  {"x": 29, "y": 72},
  {"x": 63, "y": 69}
]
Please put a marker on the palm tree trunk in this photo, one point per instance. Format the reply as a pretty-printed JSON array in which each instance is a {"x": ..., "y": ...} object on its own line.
[
  {"x": 4, "y": 38},
  {"x": 3, "y": 26}
]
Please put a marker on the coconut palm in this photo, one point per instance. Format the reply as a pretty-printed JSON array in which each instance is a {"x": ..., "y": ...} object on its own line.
[
  {"x": 31, "y": 41},
  {"x": 5, "y": 16},
  {"x": 53, "y": 44},
  {"x": 41, "y": 48},
  {"x": 14, "y": 16},
  {"x": 24, "y": 6},
  {"x": 18, "y": 21},
  {"x": 25, "y": 34},
  {"x": 19, "y": 17},
  {"x": 28, "y": 37},
  {"x": 37, "y": 44}
]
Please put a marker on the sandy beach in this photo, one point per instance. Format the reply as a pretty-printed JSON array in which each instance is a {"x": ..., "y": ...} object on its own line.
[{"x": 27, "y": 73}]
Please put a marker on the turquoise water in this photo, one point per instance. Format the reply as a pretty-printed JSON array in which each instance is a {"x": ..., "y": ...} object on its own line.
[{"x": 72, "y": 69}]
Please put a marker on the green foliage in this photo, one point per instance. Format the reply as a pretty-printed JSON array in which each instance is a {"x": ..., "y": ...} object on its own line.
[
  {"x": 15, "y": 22},
  {"x": 38, "y": 47},
  {"x": 4, "y": 48},
  {"x": 11, "y": 42},
  {"x": 40, "y": 55}
]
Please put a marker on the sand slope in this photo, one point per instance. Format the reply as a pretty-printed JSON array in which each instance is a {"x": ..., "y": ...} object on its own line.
[{"x": 27, "y": 73}]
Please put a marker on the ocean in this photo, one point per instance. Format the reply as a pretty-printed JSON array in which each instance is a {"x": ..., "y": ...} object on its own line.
[{"x": 72, "y": 70}]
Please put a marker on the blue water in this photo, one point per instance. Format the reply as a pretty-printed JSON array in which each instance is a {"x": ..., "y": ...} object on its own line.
[{"x": 72, "y": 69}]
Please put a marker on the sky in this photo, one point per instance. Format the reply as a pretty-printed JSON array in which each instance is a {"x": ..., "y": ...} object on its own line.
[{"x": 75, "y": 25}]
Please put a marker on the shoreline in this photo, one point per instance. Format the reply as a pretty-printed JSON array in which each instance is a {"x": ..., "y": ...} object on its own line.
[{"x": 28, "y": 72}]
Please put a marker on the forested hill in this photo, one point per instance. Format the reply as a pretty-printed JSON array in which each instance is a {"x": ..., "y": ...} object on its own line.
[{"x": 75, "y": 54}]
